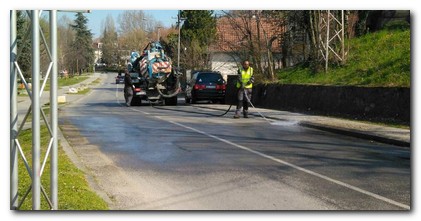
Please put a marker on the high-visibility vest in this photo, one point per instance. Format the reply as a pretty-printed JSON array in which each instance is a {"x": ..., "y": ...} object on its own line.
[{"x": 245, "y": 77}]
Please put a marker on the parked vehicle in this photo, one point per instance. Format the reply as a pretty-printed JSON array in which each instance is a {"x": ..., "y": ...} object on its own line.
[
  {"x": 119, "y": 79},
  {"x": 206, "y": 85}
]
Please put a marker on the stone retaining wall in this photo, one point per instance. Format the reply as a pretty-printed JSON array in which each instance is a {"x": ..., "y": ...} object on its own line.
[{"x": 363, "y": 103}]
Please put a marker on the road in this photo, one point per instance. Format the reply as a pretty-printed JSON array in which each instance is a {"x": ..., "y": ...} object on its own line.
[{"x": 186, "y": 158}]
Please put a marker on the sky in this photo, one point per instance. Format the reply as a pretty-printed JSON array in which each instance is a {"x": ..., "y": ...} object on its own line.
[{"x": 96, "y": 18}]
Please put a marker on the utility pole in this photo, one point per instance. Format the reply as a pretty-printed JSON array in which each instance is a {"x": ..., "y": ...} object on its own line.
[
  {"x": 159, "y": 27},
  {"x": 179, "y": 19}
]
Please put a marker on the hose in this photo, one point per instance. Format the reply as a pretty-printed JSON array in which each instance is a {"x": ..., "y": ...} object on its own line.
[
  {"x": 249, "y": 101},
  {"x": 213, "y": 115},
  {"x": 176, "y": 90}
]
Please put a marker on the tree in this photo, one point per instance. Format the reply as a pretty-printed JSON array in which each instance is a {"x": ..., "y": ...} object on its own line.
[
  {"x": 133, "y": 28},
  {"x": 82, "y": 50},
  {"x": 65, "y": 38},
  {"x": 253, "y": 36},
  {"x": 169, "y": 42},
  {"x": 197, "y": 33},
  {"x": 23, "y": 44},
  {"x": 110, "y": 47}
]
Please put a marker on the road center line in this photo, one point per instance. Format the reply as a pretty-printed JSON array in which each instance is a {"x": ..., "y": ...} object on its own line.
[
  {"x": 382, "y": 198},
  {"x": 387, "y": 200}
]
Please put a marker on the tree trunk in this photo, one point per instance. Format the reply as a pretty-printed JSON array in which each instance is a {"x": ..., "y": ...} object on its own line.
[{"x": 313, "y": 18}]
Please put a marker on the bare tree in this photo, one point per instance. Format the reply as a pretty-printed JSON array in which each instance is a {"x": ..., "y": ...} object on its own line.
[
  {"x": 137, "y": 29},
  {"x": 253, "y": 36},
  {"x": 65, "y": 36}
]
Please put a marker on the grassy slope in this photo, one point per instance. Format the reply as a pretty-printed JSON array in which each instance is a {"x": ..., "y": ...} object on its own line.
[{"x": 376, "y": 59}]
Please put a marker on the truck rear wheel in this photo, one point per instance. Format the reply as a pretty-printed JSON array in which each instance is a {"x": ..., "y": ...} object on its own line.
[{"x": 136, "y": 101}]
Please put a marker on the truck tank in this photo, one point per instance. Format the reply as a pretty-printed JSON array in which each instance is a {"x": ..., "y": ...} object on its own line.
[{"x": 159, "y": 79}]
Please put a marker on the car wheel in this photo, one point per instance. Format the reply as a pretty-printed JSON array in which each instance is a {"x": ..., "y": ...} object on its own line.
[{"x": 187, "y": 100}]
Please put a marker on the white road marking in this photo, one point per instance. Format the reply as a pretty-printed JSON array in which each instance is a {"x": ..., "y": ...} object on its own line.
[
  {"x": 382, "y": 198},
  {"x": 116, "y": 90},
  {"x": 118, "y": 101}
]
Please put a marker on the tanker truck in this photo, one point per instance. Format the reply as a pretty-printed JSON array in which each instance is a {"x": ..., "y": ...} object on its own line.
[{"x": 155, "y": 80}]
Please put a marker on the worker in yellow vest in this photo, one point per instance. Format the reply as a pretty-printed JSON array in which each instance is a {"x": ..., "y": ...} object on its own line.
[{"x": 244, "y": 85}]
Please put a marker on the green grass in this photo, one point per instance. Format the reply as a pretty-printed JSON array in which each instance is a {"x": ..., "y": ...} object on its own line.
[
  {"x": 71, "y": 81},
  {"x": 85, "y": 91},
  {"x": 74, "y": 192},
  {"x": 62, "y": 82},
  {"x": 377, "y": 59},
  {"x": 96, "y": 81}
]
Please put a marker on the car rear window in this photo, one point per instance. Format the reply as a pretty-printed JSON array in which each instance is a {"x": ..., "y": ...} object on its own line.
[
  {"x": 209, "y": 78},
  {"x": 134, "y": 74}
]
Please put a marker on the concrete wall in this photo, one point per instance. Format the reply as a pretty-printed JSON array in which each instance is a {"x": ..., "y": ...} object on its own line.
[{"x": 364, "y": 103}]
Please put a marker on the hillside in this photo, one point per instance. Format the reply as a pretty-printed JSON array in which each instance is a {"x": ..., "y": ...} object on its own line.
[{"x": 376, "y": 59}]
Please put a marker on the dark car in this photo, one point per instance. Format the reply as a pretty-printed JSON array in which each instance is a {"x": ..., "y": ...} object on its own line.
[
  {"x": 119, "y": 79},
  {"x": 206, "y": 85}
]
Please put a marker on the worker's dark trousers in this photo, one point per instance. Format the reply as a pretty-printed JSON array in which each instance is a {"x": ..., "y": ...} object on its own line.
[
  {"x": 128, "y": 95},
  {"x": 242, "y": 100}
]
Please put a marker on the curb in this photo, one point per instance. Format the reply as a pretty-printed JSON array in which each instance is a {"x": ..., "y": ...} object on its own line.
[
  {"x": 356, "y": 134},
  {"x": 342, "y": 131}
]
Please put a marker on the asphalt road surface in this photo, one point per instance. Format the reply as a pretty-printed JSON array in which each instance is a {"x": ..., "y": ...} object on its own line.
[{"x": 187, "y": 158}]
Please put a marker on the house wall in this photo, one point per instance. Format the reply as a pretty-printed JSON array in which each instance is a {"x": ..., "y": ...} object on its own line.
[{"x": 225, "y": 63}]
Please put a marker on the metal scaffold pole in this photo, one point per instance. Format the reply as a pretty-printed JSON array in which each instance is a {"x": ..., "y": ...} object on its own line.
[
  {"x": 54, "y": 115},
  {"x": 37, "y": 37},
  {"x": 332, "y": 36},
  {"x": 36, "y": 169},
  {"x": 13, "y": 114}
]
